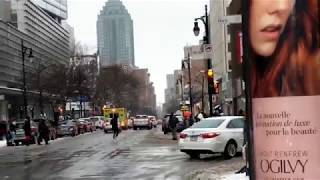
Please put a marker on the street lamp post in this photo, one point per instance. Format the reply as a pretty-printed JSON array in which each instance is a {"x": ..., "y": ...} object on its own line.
[
  {"x": 206, "y": 40},
  {"x": 188, "y": 61},
  {"x": 25, "y": 50},
  {"x": 202, "y": 90}
]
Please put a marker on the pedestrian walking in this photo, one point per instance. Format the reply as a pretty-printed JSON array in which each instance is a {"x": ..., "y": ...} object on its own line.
[
  {"x": 43, "y": 132},
  {"x": 114, "y": 124},
  {"x": 173, "y": 121},
  {"x": 27, "y": 130},
  {"x": 12, "y": 133}
]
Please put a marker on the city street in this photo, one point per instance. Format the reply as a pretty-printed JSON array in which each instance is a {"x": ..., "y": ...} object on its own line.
[{"x": 135, "y": 155}]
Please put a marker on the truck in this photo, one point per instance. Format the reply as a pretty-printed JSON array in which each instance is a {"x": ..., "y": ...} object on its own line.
[{"x": 122, "y": 114}]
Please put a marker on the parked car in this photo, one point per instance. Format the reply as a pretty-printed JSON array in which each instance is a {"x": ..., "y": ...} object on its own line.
[
  {"x": 165, "y": 124},
  {"x": 80, "y": 126},
  {"x": 88, "y": 126},
  {"x": 130, "y": 122},
  {"x": 51, "y": 127},
  {"x": 98, "y": 121},
  {"x": 68, "y": 128},
  {"x": 92, "y": 123},
  {"x": 213, "y": 135},
  {"x": 107, "y": 125},
  {"x": 142, "y": 121},
  {"x": 153, "y": 121},
  {"x": 20, "y": 136}
]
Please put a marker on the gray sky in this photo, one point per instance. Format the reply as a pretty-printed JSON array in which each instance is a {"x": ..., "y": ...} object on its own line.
[{"x": 161, "y": 29}]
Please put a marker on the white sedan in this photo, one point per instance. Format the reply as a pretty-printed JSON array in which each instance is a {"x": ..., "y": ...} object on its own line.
[{"x": 222, "y": 134}]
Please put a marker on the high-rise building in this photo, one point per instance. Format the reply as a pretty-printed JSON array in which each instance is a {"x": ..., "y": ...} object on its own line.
[
  {"x": 39, "y": 29},
  {"x": 115, "y": 35}
]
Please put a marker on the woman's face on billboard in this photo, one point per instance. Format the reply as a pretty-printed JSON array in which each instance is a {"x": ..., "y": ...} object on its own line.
[{"x": 267, "y": 21}]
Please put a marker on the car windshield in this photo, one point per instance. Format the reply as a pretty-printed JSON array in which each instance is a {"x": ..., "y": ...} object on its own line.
[
  {"x": 208, "y": 123},
  {"x": 20, "y": 125}
]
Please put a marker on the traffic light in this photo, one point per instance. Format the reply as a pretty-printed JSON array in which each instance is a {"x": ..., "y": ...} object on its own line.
[{"x": 210, "y": 81}]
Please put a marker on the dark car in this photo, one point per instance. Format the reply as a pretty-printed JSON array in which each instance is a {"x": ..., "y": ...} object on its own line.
[{"x": 165, "y": 123}]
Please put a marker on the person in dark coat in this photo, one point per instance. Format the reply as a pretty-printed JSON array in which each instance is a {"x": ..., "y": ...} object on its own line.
[
  {"x": 43, "y": 132},
  {"x": 114, "y": 124},
  {"x": 27, "y": 131},
  {"x": 173, "y": 121}
]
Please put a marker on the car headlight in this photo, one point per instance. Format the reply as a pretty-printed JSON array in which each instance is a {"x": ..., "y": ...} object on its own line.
[{"x": 70, "y": 129}]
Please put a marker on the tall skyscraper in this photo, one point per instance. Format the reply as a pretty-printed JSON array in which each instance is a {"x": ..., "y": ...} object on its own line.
[{"x": 115, "y": 35}]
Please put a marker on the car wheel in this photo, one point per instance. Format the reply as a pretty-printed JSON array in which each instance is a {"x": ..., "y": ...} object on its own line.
[
  {"x": 194, "y": 155},
  {"x": 134, "y": 128},
  {"x": 230, "y": 150},
  {"x": 16, "y": 143}
]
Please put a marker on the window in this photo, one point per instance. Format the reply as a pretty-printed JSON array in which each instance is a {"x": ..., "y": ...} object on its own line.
[{"x": 236, "y": 123}]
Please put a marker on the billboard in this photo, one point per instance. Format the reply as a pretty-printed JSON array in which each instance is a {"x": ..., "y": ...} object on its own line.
[{"x": 282, "y": 72}]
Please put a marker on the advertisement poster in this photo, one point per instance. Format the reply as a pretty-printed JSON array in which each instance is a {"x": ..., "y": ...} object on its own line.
[{"x": 282, "y": 64}]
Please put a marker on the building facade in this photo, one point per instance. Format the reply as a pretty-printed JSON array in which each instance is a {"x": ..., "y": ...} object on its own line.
[
  {"x": 49, "y": 41},
  {"x": 147, "y": 96},
  {"x": 220, "y": 38},
  {"x": 115, "y": 35},
  {"x": 236, "y": 48},
  {"x": 198, "y": 75},
  {"x": 57, "y": 9},
  {"x": 170, "y": 91}
]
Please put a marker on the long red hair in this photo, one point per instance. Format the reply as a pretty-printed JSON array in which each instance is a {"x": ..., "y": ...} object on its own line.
[{"x": 294, "y": 68}]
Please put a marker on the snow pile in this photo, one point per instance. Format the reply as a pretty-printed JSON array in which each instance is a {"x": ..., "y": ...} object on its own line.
[{"x": 235, "y": 177}]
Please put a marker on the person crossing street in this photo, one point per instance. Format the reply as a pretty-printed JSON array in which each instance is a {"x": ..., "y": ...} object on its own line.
[
  {"x": 173, "y": 121},
  {"x": 114, "y": 124}
]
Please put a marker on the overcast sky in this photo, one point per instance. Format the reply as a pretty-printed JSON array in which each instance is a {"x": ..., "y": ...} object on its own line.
[{"x": 161, "y": 29}]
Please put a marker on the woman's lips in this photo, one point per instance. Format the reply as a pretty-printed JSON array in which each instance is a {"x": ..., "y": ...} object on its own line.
[{"x": 271, "y": 32}]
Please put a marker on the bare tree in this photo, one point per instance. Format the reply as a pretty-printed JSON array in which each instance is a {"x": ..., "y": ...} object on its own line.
[{"x": 118, "y": 87}]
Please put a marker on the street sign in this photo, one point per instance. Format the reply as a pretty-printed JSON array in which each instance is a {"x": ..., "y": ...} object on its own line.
[
  {"x": 184, "y": 108},
  {"x": 232, "y": 19},
  {"x": 208, "y": 51}
]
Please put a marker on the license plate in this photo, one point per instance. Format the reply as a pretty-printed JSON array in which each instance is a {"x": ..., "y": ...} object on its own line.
[{"x": 194, "y": 138}]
